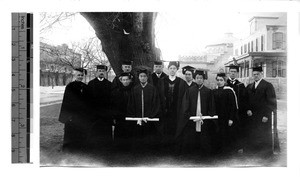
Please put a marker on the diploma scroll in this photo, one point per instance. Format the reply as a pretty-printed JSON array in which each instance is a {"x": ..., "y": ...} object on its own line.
[
  {"x": 139, "y": 119},
  {"x": 200, "y": 122}
]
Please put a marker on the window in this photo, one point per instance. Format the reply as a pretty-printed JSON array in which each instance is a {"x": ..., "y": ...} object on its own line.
[
  {"x": 278, "y": 41},
  {"x": 236, "y": 52},
  {"x": 248, "y": 47},
  {"x": 262, "y": 43},
  {"x": 256, "y": 45},
  {"x": 245, "y": 48},
  {"x": 278, "y": 69},
  {"x": 241, "y": 50},
  {"x": 251, "y": 46}
]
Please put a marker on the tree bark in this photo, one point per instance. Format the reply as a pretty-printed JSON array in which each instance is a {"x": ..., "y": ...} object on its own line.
[{"x": 126, "y": 36}]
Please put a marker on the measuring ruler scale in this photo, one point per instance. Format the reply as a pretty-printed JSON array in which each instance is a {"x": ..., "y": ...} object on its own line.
[{"x": 22, "y": 83}]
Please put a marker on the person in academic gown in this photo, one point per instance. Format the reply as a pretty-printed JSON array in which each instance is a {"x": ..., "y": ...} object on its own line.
[
  {"x": 197, "y": 101},
  {"x": 158, "y": 72},
  {"x": 123, "y": 132},
  {"x": 99, "y": 91},
  {"x": 226, "y": 109},
  {"x": 240, "y": 91},
  {"x": 169, "y": 89},
  {"x": 188, "y": 72},
  {"x": 144, "y": 102},
  {"x": 74, "y": 114},
  {"x": 126, "y": 68},
  {"x": 262, "y": 102}
]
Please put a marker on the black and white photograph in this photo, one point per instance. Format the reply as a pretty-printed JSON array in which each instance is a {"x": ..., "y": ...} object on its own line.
[
  {"x": 130, "y": 89},
  {"x": 150, "y": 88}
]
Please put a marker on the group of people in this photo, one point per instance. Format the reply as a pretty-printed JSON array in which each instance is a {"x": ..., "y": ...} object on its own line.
[{"x": 159, "y": 113}]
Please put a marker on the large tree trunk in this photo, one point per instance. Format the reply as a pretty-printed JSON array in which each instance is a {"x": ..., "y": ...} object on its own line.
[{"x": 126, "y": 36}]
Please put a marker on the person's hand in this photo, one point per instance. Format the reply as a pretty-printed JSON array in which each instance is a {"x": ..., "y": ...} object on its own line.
[
  {"x": 249, "y": 113},
  {"x": 230, "y": 122},
  {"x": 264, "y": 119},
  {"x": 198, "y": 119}
]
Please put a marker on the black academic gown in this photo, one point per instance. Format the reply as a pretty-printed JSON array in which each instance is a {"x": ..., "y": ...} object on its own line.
[
  {"x": 262, "y": 101},
  {"x": 99, "y": 101},
  {"x": 170, "y": 98},
  {"x": 226, "y": 109},
  {"x": 123, "y": 132},
  {"x": 155, "y": 78},
  {"x": 240, "y": 91},
  {"x": 144, "y": 102},
  {"x": 74, "y": 114},
  {"x": 190, "y": 141}
]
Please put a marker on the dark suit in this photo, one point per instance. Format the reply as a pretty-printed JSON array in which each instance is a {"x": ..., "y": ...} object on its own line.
[{"x": 262, "y": 101}]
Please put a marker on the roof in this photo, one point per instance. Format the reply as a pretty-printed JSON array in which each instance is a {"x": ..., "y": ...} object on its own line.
[{"x": 259, "y": 54}]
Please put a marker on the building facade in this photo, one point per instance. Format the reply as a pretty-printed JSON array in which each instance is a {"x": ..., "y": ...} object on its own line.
[{"x": 266, "y": 47}]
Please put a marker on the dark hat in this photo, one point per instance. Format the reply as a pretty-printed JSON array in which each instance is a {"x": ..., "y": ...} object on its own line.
[
  {"x": 258, "y": 68},
  {"x": 126, "y": 62},
  {"x": 232, "y": 66},
  {"x": 102, "y": 67},
  {"x": 187, "y": 68},
  {"x": 142, "y": 70},
  {"x": 125, "y": 74},
  {"x": 175, "y": 63},
  {"x": 221, "y": 75},
  {"x": 81, "y": 70},
  {"x": 158, "y": 62},
  {"x": 200, "y": 72}
]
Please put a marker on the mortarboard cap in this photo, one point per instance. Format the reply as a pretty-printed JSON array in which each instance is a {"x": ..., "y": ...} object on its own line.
[
  {"x": 221, "y": 75},
  {"x": 125, "y": 74},
  {"x": 158, "y": 62},
  {"x": 126, "y": 62},
  {"x": 232, "y": 66},
  {"x": 81, "y": 70},
  {"x": 187, "y": 68},
  {"x": 175, "y": 63},
  {"x": 200, "y": 72},
  {"x": 258, "y": 68},
  {"x": 142, "y": 70},
  {"x": 102, "y": 67}
]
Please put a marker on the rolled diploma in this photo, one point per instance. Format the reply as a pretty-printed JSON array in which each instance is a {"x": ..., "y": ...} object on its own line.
[
  {"x": 198, "y": 123},
  {"x": 139, "y": 118}
]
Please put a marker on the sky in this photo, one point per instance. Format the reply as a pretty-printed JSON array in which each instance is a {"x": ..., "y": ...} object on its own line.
[{"x": 176, "y": 33}]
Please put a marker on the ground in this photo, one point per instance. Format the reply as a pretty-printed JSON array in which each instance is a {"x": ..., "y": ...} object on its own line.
[{"x": 51, "y": 136}]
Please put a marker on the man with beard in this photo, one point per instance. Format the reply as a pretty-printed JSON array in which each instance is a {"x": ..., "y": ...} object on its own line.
[
  {"x": 74, "y": 113},
  {"x": 126, "y": 68},
  {"x": 144, "y": 103},
  {"x": 240, "y": 91},
  {"x": 158, "y": 72},
  {"x": 123, "y": 132},
  {"x": 197, "y": 101},
  {"x": 99, "y": 90},
  {"x": 262, "y": 102}
]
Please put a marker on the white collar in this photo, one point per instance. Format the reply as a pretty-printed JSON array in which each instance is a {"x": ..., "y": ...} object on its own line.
[
  {"x": 232, "y": 79},
  {"x": 257, "y": 82},
  {"x": 189, "y": 83},
  {"x": 100, "y": 79},
  {"x": 158, "y": 75},
  {"x": 144, "y": 84},
  {"x": 172, "y": 78}
]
